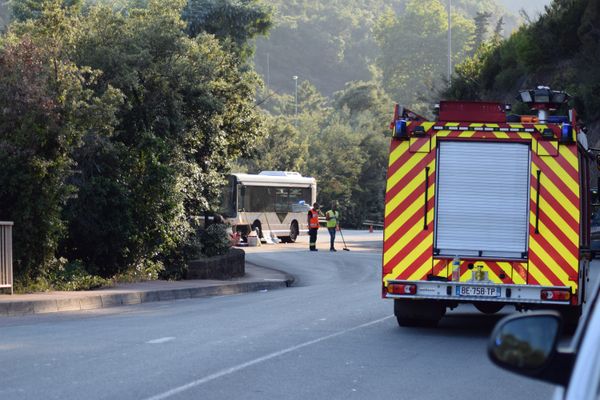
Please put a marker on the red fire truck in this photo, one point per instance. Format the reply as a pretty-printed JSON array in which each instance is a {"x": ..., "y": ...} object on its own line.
[{"x": 487, "y": 208}]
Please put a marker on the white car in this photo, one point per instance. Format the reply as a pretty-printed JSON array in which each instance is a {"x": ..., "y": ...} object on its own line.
[{"x": 528, "y": 344}]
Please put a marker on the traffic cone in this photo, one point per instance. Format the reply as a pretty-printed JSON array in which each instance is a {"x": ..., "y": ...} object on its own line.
[{"x": 370, "y": 228}]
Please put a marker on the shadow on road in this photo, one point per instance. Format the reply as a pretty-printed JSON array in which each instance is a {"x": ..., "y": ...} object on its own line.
[
  {"x": 366, "y": 245},
  {"x": 465, "y": 324},
  {"x": 469, "y": 324}
]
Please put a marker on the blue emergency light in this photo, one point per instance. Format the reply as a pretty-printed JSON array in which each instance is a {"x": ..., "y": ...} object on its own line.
[
  {"x": 566, "y": 133},
  {"x": 557, "y": 119},
  {"x": 400, "y": 129}
]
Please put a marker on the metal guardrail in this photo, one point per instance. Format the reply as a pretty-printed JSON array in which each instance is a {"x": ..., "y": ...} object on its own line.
[
  {"x": 373, "y": 223},
  {"x": 6, "y": 258}
]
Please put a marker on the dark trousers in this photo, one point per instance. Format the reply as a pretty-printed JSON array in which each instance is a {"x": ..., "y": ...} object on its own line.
[
  {"x": 312, "y": 232},
  {"x": 331, "y": 237}
]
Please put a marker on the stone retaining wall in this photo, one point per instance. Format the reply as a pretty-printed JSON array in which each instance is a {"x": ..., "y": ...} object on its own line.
[{"x": 230, "y": 265}]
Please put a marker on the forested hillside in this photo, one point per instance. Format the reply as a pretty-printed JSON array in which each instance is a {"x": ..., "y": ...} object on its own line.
[{"x": 333, "y": 42}]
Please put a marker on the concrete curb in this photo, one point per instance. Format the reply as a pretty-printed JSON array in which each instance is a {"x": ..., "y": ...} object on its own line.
[
  {"x": 289, "y": 279},
  {"x": 100, "y": 300}
]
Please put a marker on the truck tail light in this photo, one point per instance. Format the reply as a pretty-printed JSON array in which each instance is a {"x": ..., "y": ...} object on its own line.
[
  {"x": 402, "y": 289},
  {"x": 529, "y": 119},
  {"x": 555, "y": 295}
]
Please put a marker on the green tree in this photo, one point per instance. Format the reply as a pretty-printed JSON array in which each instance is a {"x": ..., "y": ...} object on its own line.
[
  {"x": 498, "y": 30},
  {"x": 235, "y": 20},
  {"x": 368, "y": 196},
  {"x": 335, "y": 160},
  {"x": 588, "y": 84},
  {"x": 48, "y": 106},
  {"x": 414, "y": 49},
  {"x": 482, "y": 20},
  {"x": 310, "y": 100},
  {"x": 368, "y": 108},
  {"x": 188, "y": 111},
  {"x": 32, "y": 9},
  {"x": 467, "y": 81},
  {"x": 364, "y": 97},
  {"x": 282, "y": 149}
]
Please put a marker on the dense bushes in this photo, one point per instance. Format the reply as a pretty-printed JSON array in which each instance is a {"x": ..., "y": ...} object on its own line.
[
  {"x": 215, "y": 240},
  {"x": 212, "y": 241},
  {"x": 47, "y": 107},
  {"x": 117, "y": 130}
]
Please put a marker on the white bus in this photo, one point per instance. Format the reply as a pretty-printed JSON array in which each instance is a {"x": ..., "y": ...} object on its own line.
[{"x": 275, "y": 201}]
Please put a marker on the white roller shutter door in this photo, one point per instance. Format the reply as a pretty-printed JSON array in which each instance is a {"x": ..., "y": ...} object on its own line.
[{"x": 482, "y": 203}]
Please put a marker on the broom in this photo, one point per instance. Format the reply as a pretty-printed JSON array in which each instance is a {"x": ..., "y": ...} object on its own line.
[{"x": 342, "y": 235}]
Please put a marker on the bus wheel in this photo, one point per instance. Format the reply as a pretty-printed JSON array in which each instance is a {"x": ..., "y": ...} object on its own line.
[
  {"x": 410, "y": 312},
  {"x": 489, "y": 308},
  {"x": 294, "y": 231},
  {"x": 256, "y": 225}
]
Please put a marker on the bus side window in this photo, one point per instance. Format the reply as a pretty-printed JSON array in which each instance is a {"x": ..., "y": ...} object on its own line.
[
  {"x": 299, "y": 199},
  {"x": 260, "y": 199},
  {"x": 281, "y": 200},
  {"x": 295, "y": 198}
]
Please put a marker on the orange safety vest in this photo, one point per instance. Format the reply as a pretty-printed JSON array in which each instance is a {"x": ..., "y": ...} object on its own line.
[{"x": 314, "y": 219}]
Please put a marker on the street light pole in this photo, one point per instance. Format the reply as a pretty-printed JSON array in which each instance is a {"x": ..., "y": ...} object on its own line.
[
  {"x": 449, "y": 40},
  {"x": 295, "y": 78}
]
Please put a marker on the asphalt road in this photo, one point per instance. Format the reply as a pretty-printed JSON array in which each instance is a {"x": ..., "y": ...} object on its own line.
[{"x": 330, "y": 336}]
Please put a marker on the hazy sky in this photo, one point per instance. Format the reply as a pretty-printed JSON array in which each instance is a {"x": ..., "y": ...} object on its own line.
[{"x": 533, "y": 7}]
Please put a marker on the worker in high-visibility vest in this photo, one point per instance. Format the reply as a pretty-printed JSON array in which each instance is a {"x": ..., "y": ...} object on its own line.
[
  {"x": 313, "y": 226},
  {"x": 333, "y": 219}
]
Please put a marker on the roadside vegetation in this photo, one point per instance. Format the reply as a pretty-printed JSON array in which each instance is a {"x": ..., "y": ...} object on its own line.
[{"x": 118, "y": 124}]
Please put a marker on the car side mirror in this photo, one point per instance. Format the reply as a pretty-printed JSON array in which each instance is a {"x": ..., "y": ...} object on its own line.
[{"x": 527, "y": 345}]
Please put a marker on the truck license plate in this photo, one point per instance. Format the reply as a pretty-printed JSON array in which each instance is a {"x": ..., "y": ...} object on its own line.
[{"x": 478, "y": 291}]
